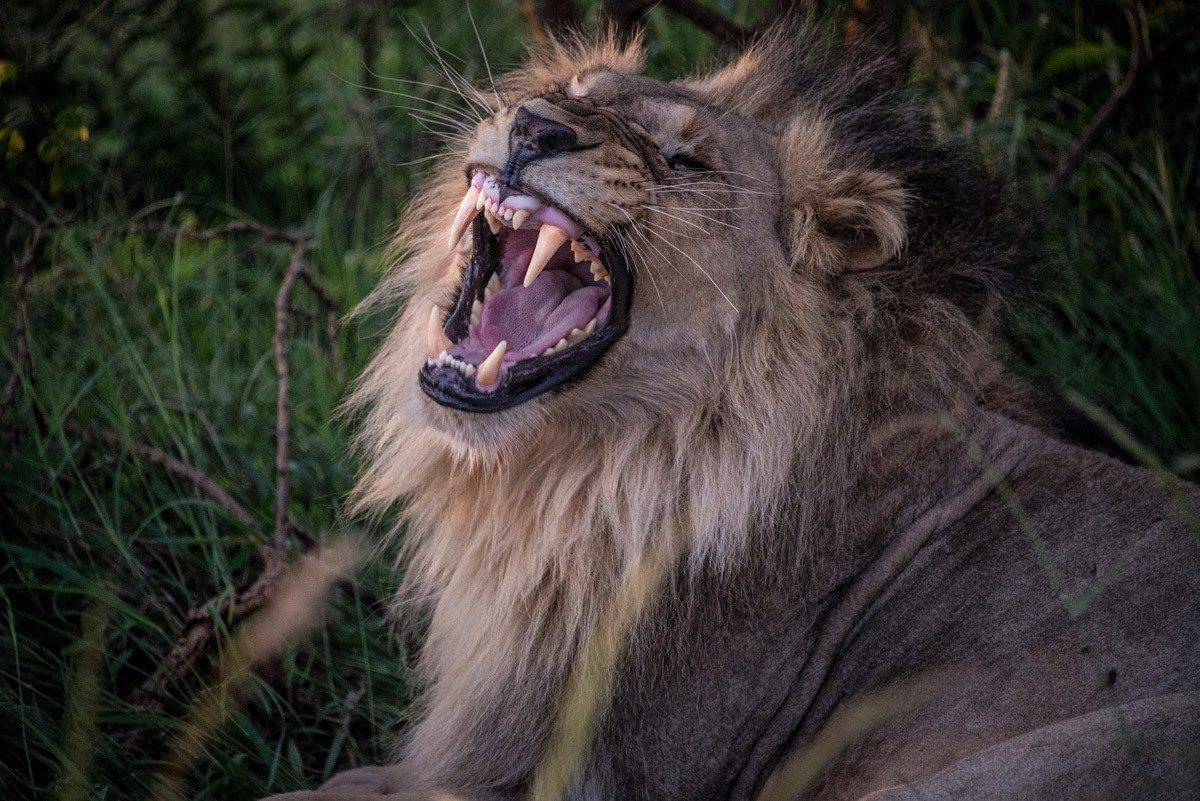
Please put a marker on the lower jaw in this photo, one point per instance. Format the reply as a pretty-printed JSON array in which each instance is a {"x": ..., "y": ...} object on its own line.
[{"x": 525, "y": 380}]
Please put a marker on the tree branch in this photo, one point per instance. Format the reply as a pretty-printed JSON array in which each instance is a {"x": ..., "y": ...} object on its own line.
[
  {"x": 198, "y": 478},
  {"x": 283, "y": 417},
  {"x": 545, "y": 18},
  {"x": 720, "y": 27}
]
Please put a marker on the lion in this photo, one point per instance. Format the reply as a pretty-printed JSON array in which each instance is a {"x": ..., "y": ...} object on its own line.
[{"x": 735, "y": 337}]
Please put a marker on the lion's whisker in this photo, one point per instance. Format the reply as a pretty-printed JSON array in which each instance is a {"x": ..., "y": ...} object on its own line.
[
  {"x": 703, "y": 271},
  {"x": 659, "y": 210}
]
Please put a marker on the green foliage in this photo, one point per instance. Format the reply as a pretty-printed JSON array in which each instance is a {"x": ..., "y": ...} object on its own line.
[{"x": 192, "y": 110}]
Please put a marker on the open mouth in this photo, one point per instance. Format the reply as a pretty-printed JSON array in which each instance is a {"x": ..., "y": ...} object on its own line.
[{"x": 541, "y": 300}]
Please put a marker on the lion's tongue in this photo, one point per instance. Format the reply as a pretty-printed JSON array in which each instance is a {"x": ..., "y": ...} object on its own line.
[{"x": 534, "y": 318}]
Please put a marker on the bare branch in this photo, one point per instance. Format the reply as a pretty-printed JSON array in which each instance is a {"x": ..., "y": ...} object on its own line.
[
  {"x": 283, "y": 436},
  {"x": 217, "y": 232},
  {"x": 545, "y": 18},
  {"x": 197, "y": 477},
  {"x": 718, "y": 25},
  {"x": 878, "y": 20}
]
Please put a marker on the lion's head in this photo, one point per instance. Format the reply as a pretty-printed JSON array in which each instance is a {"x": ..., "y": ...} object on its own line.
[{"x": 719, "y": 276}]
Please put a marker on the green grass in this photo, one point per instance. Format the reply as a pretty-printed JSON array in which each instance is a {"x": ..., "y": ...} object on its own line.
[{"x": 168, "y": 342}]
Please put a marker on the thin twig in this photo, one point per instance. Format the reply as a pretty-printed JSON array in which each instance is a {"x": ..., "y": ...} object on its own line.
[
  {"x": 720, "y": 27},
  {"x": 545, "y": 18},
  {"x": 216, "y": 232},
  {"x": 198, "y": 478},
  {"x": 283, "y": 437}
]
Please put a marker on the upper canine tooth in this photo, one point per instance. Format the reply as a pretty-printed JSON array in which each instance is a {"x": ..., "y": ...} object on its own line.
[
  {"x": 550, "y": 239},
  {"x": 466, "y": 213},
  {"x": 436, "y": 340},
  {"x": 489, "y": 372},
  {"x": 519, "y": 218}
]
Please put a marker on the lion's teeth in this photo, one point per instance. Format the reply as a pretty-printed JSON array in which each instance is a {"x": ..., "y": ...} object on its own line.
[
  {"x": 519, "y": 217},
  {"x": 480, "y": 199},
  {"x": 550, "y": 239},
  {"x": 476, "y": 313},
  {"x": 591, "y": 326},
  {"x": 493, "y": 286},
  {"x": 580, "y": 251},
  {"x": 466, "y": 213},
  {"x": 598, "y": 271},
  {"x": 436, "y": 340},
  {"x": 488, "y": 373},
  {"x": 492, "y": 222}
]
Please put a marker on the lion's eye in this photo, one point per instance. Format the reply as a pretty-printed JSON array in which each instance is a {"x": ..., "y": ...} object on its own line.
[{"x": 683, "y": 162}]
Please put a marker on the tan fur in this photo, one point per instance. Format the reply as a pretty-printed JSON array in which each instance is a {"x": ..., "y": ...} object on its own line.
[{"x": 762, "y": 356}]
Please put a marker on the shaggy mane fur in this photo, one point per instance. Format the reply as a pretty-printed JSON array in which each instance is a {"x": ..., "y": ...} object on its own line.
[{"x": 514, "y": 543}]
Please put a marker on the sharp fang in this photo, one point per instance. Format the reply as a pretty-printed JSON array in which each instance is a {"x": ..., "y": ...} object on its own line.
[
  {"x": 476, "y": 313},
  {"x": 436, "y": 340},
  {"x": 519, "y": 218},
  {"x": 488, "y": 374},
  {"x": 492, "y": 222},
  {"x": 550, "y": 239},
  {"x": 466, "y": 213}
]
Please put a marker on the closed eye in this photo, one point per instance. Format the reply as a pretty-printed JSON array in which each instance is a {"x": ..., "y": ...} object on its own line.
[{"x": 684, "y": 162}]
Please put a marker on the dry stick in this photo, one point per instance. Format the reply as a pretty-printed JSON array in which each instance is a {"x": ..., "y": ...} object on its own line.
[
  {"x": 296, "y": 607},
  {"x": 199, "y": 630},
  {"x": 217, "y": 232},
  {"x": 201, "y": 480},
  {"x": 283, "y": 417},
  {"x": 544, "y": 18},
  {"x": 718, "y": 25},
  {"x": 1072, "y": 157}
]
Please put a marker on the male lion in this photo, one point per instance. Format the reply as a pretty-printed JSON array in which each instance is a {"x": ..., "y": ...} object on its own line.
[{"x": 738, "y": 327}]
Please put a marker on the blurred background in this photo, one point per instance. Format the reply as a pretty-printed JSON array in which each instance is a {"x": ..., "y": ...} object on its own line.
[{"x": 194, "y": 192}]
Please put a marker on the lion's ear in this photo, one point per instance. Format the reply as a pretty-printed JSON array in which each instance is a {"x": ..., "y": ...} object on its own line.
[{"x": 842, "y": 217}]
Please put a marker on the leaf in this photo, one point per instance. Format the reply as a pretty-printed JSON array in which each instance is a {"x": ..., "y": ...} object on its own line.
[
  {"x": 11, "y": 142},
  {"x": 1083, "y": 56}
]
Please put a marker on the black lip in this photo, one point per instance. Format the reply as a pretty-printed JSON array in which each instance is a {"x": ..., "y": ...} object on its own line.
[{"x": 526, "y": 380}]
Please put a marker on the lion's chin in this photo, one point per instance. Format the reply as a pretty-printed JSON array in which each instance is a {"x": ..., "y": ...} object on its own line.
[{"x": 471, "y": 436}]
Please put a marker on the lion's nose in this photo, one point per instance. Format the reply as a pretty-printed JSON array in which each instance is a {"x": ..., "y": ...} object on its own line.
[{"x": 539, "y": 136}]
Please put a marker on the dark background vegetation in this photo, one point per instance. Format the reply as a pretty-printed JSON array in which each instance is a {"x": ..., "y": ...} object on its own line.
[{"x": 129, "y": 128}]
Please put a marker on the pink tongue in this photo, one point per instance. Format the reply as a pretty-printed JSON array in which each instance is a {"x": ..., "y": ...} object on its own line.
[{"x": 518, "y": 314}]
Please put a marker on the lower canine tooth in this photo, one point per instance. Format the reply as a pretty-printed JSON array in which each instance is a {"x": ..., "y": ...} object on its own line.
[
  {"x": 550, "y": 239},
  {"x": 436, "y": 340},
  {"x": 488, "y": 374}
]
